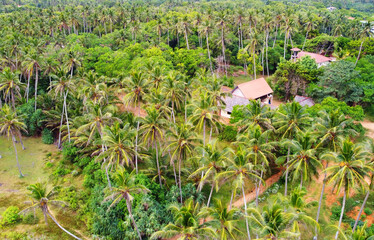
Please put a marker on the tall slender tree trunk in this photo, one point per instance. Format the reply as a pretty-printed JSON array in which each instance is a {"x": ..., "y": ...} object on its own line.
[
  {"x": 15, "y": 150},
  {"x": 107, "y": 176},
  {"x": 28, "y": 88},
  {"x": 210, "y": 194},
  {"x": 359, "y": 52},
  {"x": 20, "y": 140},
  {"x": 61, "y": 227},
  {"x": 233, "y": 193},
  {"x": 288, "y": 158},
  {"x": 254, "y": 65},
  {"x": 59, "y": 132},
  {"x": 341, "y": 214},
  {"x": 285, "y": 45},
  {"x": 276, "y": 34},
  {"x": 223, "y": 51},
  {"x": 361, "y": 209},
  {"x": 132, "y": 217},
  {"x": 136, "y": 141},
  {"x": 267, "y": 59},
  {"x": 245, "y": 213},
  {"x": 180, "y": 181},
  {"x": 158, "y": 165},
  {"x": 36, "y": 86},
  {"x": 210, "y": 59},
  {"x": 172, "y": 111},
  {"x": 320, "y": 201},
  {"x": 186, "y": 35},
  {"x": 306, "y": 36},
  {"x": 66, "y": 114},
  {"x": 185, "y": 108}
]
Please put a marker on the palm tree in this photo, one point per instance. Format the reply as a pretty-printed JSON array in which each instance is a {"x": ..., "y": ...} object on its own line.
[
  {"x": 32, "y": 64},
  {"x": 221, "y": 23},
  {"x": 126, "y": 186},
  {"x": 213, "y": 162},
  {"x": 61, "y": 87},
  {"x": 350, "y": 171},
  {"x": 290, "y": 119},
  {"x": 11, "y": 86},
  {"x": 11, "y": 125},
  {"x": 136, "y": 88},
  {"x": 364, "y": 33},
  {"x": 186, "y": 29},
  {"x": 152, "y": 132},
  {"x": 172, "y": 88},
  {"x": 42, "y": 198},
  {"x": 254, "y": 114},
  {"x": 187, "y": 223},
  {"x": 72, "y": 61},
  {"x": 224, "y": 220},
  {"x": 182, "y": 143},
  {"x": 304, "y": 164},
  {"x": 259, "y": 150},
  {"x": 239, "y": 170},
  {"x": 207, "y": 29}
]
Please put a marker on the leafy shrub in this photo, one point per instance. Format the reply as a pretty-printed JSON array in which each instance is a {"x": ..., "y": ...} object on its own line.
[
  {"x": 368, "y": 211},
  {"x": 30, "y": 219},
  {"x": 70, "y": 152},
  {"x": 60, "y": 172},
  {"x": 10, "y": 216},
  {"x": 228, "y": 134},
  {"x": 33, "y": 119},
  {"x": 47, "y": 136}
]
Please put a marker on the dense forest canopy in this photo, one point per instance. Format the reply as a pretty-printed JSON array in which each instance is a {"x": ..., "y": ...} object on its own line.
[{"x": 131, "y": 96}]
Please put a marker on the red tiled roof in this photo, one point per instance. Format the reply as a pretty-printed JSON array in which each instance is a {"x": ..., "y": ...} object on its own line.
[
  {"x": 319, "y": 58},
  {"x": 255, "y": 89}
]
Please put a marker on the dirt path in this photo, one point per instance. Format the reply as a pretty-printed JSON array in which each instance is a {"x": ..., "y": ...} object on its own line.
[
  {"x": 370, "y": 127},
  {"x": 251, "y": 195}
]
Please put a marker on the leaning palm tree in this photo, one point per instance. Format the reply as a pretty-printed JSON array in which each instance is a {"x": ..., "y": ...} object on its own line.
[
  {"x": 12, "y": 125},
  {"x": 350, "y": 171},
  {"x": 188, "y": 223},
  {"x": 42, "y": 199},
  {"x": 11, "y": 86},
  {"x": 126, "y": 186},
  {"x": 224, "y": 220}
]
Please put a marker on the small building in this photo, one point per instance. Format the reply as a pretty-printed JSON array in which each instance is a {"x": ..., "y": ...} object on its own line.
[
  {"x": 304, "y": 101},
  {"x": 320, "y": 59},
  {"x": 243, "y": 93},
  {"x": 331, "y": 9}
]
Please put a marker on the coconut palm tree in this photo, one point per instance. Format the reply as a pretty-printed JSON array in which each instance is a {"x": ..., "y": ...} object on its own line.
[
  {"x": 173, "y": 88},
  {"x": 12, "y": 125},
  {"x": 43, "y": 199},
  {"x": 224, "y": 220},
  {"x": 11, "y": 86},
  {"x": 183, "y": 139},
  {"x": 238, "y": 172},
  {"x": 188, "y": 223},
  {"x": 349, "y": 172},
  {"x": 207, "y": 28},
  {"x": 364, "y": 34},
  {"x": 290, "y": 119},
  {"x": 213, "y": 161},
  {"x": 126, "y": 187},
  {"x": 152, "y": 131},
  {"x": 33, "y": 63},
  {"x": 136, "y": 88},
  {"x": 255, "y": 113}
]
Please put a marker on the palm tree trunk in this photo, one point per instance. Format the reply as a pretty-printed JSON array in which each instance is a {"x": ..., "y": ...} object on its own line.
[
  {"x": 320, "y": 200},
  {"x": 20, "y": 140},
  {"x": 185, "y": 34},
  {"x": 288, "y": 158},
  {"x": 306, "y": 36},
  {"x": 276, "y": 34},
  {"x": 232, "y": 197},
  {"x": 341, "y": 214},
  {"x": 267, "y": 59},
  {"x": 66, "y": 114},
  {"x": 172, "y": 111},
  {"x": 359, "y": 52},
  {"x": 245, "y": 212},
  {"x": 136, "y": 141},
  {"x": 180, "y": 181},
  {"x": 62, "y": 119},
  {"x": 254, "y": 65},
  {"x": 62, "y": 228},
  {"x": 71, "y": 71},
  {"x": 28, "y": 88},
  {"x": 132, "y": 217},
  {"x": 36, "y": 86},
  {"x": 207, "y": 46},
  {"x": 158, "y": 165},
  {"x": 361, "y": 209},
  {"x": 210, "y": 194},
  {"x": 15, "y": 150},
  {"x": 223, "y": 51},
  {"x": 107, "y": 176},
  {"x": 285, "y": 45},
  {"x": 185, "y": 108}
]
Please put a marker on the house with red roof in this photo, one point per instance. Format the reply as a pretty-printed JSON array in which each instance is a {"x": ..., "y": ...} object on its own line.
[{"x": 320, "y": 59}]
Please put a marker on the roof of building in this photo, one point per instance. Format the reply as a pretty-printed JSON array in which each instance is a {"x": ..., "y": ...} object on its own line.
[
  {"x": 304, "y": 101},
  {"x": 318, "y": 57},
  {"x": 350, "y": 18},
  {"x": 295, "y": 49},
  {"x": 255, "y": 89},
  {"x": 233, "y": 100}
]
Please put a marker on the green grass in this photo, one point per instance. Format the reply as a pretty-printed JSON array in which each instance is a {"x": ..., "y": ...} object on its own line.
[{"x": 13, "y": 190}]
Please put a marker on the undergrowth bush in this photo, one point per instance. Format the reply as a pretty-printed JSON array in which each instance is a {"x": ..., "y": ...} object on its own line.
[{"x": 10, "y": 216}]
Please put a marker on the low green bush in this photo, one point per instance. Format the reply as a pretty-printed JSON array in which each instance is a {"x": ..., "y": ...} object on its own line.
[
  {"x": 47, "y": 136},
  {"x": 368, "y": 211},
  {"x": 10, "y": 216},
  {"x": 30, "y": 219}
]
